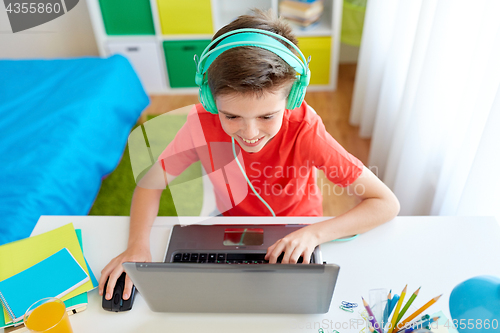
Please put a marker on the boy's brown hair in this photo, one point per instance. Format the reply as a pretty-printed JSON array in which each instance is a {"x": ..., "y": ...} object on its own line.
[{"x": 249, "y": 69}]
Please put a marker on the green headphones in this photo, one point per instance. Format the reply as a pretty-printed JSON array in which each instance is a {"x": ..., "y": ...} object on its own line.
[{"x": 258, "y": 38}]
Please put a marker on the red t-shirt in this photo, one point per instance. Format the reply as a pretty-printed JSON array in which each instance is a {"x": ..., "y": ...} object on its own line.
[{"x": 282, "y": 172}]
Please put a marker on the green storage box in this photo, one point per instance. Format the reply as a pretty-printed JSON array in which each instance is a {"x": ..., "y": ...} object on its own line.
[
  {"x": 179, "y": 56},
  {"x": 127, "y": 17},
  {"x": 353, "y": 18}
]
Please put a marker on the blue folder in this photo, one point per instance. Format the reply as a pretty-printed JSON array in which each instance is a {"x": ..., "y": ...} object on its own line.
[{"x": 55, "y": 276}]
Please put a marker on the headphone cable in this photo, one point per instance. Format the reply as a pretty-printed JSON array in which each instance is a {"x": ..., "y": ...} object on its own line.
[
  {"x": 248, "y": 181},
  {"x": 265, "y": 203}
]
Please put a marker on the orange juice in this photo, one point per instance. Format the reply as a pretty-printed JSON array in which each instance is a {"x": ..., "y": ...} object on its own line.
[{"x": 49, "y": 317}]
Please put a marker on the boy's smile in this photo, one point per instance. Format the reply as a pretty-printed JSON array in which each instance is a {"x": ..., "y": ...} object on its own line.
[{"x": 250, "y": 120}]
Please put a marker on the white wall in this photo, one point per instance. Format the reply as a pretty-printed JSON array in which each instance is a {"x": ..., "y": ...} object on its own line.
[
  {"x": 69, "y": 35},
  {"x": 348, "y": 54}
]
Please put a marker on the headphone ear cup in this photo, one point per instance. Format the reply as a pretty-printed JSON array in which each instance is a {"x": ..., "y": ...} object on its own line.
[
  {"x": 301, "y": 94},
  {"x": 292, "y": 96},
  {"x": 298, "y": 91},
  {"x": 206, "y": 98}
]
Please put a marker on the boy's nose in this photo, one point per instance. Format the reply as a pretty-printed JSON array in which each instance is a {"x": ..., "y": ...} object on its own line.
[{"x": 250, "y": 131}]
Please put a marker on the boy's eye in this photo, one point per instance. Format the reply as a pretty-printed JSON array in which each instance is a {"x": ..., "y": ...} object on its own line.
[{"x": 264, "y": 117}]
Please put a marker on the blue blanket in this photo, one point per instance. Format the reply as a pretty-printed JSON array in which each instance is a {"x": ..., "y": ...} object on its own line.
[{"x": 63, "y": 126}]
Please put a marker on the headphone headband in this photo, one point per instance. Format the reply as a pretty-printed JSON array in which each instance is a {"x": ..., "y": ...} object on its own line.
[{"x": 251, "y": 38}]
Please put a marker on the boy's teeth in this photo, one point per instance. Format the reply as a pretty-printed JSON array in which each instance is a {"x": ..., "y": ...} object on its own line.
[{"x": 250, "y": 141}]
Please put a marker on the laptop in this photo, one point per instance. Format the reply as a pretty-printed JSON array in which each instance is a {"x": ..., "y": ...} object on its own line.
[{"x": 221, "y": 269}]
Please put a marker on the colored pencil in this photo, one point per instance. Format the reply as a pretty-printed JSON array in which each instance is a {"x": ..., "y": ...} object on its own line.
[
  {"x": 396, "y": 311},
  {"x": 414, "y": 323},
  {"x": 373, "y": 321},
  {"x": 386, "y": 309},
  {"x": 419, "y": 311},
  {"x": 421, "y": 325},
  {"x": 371, "y": 328},
  {"x": 407, "y": 305},
  {"x": 394, "y": 301}
]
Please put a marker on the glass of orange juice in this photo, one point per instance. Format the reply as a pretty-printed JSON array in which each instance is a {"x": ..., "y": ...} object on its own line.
[{"x": 47, "y": 315}]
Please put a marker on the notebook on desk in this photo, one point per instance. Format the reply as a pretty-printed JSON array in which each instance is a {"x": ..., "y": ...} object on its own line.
[{"x": 221, "y": 269}]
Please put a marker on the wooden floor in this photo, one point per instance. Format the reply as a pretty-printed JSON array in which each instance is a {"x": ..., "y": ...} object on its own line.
[{"x": 333, "y": 107}]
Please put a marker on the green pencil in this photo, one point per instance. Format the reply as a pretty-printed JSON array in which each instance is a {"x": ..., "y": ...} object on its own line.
[{"x": 407, "y": 305}]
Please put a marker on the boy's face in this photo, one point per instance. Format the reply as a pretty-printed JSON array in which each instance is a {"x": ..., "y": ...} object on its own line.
[{"x": 251, "y": 121}]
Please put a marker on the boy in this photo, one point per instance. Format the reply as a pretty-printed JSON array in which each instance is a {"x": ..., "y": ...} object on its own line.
[{"x": 251, "y": 87}]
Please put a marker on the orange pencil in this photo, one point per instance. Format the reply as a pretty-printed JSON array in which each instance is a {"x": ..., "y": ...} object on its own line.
[{"x": 419, "y": 311}]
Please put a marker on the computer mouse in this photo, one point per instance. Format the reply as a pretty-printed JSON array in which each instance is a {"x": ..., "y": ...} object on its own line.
[{"x": 117, "y": 303}]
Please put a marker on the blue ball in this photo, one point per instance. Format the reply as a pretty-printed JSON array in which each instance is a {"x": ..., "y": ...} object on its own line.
[{"x": 475, "y": 305}]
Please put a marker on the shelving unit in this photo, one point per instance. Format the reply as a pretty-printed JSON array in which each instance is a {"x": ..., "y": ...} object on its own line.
[{"x": 160, "y": 37}]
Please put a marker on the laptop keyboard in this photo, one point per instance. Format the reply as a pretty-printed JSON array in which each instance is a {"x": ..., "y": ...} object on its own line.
[{"x": 227, "y": 258}]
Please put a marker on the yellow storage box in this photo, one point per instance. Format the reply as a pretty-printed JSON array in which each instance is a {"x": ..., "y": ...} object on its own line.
[
  {"x": 185, "y": 17},
  {"x": 319, "y": 48}
]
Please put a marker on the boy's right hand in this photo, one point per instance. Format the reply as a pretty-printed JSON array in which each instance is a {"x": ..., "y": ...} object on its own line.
[{"x": 114, "y": 269}]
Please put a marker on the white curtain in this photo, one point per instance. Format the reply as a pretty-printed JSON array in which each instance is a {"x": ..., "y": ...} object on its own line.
[{"x": 427, "y": 92}]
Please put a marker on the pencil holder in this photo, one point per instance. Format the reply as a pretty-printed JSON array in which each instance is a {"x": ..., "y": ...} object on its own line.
[{"x": 377, "y": 301}]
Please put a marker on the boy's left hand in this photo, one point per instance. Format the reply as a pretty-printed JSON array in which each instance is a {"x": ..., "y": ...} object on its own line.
[{"x": 300, "y": 243}]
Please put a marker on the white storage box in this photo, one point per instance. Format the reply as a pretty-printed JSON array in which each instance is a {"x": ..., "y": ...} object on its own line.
[{"x": 145, "y": 58}]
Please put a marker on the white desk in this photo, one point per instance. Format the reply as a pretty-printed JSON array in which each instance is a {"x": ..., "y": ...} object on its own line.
[{"x": 436, "y": 253}]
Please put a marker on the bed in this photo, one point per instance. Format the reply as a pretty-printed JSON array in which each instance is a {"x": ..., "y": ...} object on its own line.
[{"x": 64, "y": 126}]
